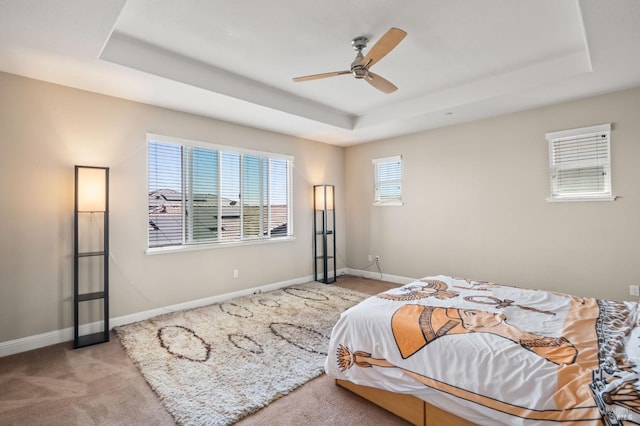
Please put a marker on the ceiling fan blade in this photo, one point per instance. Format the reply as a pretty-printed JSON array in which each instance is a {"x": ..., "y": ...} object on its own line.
[
  {"x": 380, "y": 83},
  {"x": 386, "y": 44},
  {"x": 317, "y": 76}
]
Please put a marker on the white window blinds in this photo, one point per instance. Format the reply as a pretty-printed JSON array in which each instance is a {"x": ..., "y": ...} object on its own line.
[
  {"x": 166, "y": 201},
  {"x": 215, "y": 195},
  {"x": 580, "y": 166},
  {"x": 388, "y": 181}
]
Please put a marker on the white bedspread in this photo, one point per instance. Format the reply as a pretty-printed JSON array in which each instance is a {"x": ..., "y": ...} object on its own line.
[{"x": 495, "y": 354}]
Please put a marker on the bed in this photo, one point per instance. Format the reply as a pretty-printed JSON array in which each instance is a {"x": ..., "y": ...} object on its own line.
[{"x": 492, "y": 354}]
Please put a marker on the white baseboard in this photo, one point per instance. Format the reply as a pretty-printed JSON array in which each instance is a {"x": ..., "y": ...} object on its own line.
[
  {"x": 28, "y": 343},
  {"x": 378, "y": 276},
  {"x": 59, "y": 336},
  {"x": 141, "y": 316}
]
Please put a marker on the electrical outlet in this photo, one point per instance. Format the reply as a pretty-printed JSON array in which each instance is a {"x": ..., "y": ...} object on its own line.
[
  {"x": 377, "y": 258},
  {"x": 634, "y": 290},
  {"x": 235, "y": 273}
]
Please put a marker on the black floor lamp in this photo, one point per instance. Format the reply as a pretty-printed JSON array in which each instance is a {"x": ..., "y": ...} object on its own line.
[{"x": 324, "y": 241}]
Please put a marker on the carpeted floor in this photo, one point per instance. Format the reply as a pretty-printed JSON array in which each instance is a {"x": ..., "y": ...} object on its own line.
[{"x": 99, "y": 385}]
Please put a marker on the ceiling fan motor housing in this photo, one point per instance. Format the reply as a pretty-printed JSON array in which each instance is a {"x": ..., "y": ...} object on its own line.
[
  {"x": 357, "y": 68},
  {"x": 359, "y": 71}
]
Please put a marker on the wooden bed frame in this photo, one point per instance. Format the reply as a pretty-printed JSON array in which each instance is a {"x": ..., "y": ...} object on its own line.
[{"x": 408, "y": 407}]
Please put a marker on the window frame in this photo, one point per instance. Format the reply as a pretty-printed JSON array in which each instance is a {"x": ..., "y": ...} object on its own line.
[
  {"x": 574, "y": 135},
  {"x": 186, "y": 180},
  {"x": 378, "y": 200}
]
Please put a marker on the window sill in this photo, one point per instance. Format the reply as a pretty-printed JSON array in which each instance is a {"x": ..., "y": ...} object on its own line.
[
  {"x": 395, "y": 203},
  {"x": 197, "y": 247},
  {"x": 579, "y": 199}
]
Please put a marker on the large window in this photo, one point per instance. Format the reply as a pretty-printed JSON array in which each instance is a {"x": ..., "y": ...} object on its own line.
[
  {"x": 206, "y": 194},
  {"x": 387, "y": 176},
  {"x": 580, "y": 164}
]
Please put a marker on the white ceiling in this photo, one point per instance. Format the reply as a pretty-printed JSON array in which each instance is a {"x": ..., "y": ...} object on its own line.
[{"x": 462, "y": 60}]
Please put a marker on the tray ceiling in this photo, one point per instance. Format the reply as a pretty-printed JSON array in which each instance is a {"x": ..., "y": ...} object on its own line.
[{"x": 462, "y": 60}]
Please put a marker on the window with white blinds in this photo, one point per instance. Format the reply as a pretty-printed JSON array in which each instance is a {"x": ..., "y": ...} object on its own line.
[
  {"x": 580, "y": 164},
  {"x": 205, "y": 194},
  {"x": 388, "y": 181}
]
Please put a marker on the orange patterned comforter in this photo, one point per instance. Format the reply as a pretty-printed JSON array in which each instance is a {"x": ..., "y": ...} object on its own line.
[{"x": 495, "y": 354}]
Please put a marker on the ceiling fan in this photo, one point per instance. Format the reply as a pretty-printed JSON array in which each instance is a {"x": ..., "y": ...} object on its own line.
[{"x": 361, "y": 64}]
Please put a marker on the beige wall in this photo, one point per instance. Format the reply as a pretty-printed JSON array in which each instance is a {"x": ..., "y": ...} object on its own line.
[
  {"x": 475, "y": 204},
  {"x": 46, "y": 129}
]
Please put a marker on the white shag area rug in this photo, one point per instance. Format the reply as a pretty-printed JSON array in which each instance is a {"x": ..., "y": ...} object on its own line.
[{"x": 216, "y": 364}]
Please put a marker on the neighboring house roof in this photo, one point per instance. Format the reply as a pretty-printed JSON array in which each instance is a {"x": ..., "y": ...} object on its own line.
[{"x": 165, "y": 217}]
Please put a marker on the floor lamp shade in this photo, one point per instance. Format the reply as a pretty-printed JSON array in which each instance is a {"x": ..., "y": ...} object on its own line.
[
  {"x": 91, "y": 188},
  {"x": 323, "y": 197}
]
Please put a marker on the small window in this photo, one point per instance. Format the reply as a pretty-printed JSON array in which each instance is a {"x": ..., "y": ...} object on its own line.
[
  {"x": 388, "y": 181},
  {"x": 580, "y": 164},
  {"x": 202, "y": 194}
]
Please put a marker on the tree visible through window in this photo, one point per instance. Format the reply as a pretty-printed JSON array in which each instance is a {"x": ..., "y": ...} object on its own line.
[{"x": 206, "y": 195}]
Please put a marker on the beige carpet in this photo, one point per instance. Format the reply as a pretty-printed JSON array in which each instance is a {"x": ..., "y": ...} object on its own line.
[
  {"x": 99, "y": 385},
  {"x": 216, "y": 364}
]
